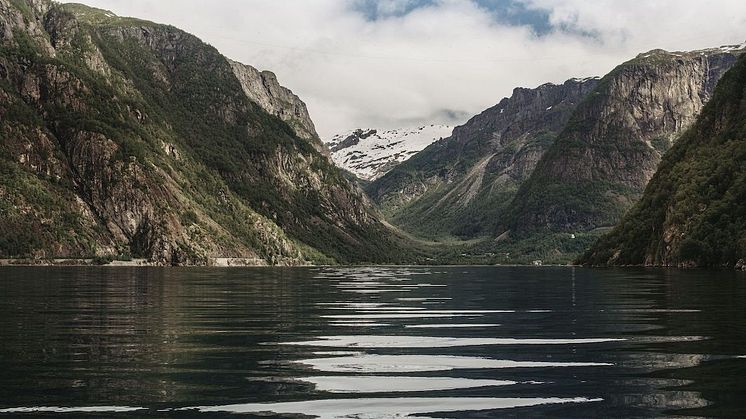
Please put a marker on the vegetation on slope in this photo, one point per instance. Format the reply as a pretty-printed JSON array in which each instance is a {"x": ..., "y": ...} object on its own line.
[
  {"x": 692, "y": 212},
  {"x": 158, "y": 153},
  {"x": 460, "y": 186},
  {"x": 605, "y": 156}
]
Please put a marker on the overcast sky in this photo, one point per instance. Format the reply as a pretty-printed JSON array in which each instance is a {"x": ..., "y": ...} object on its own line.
[{"x": 401, "y": 63}]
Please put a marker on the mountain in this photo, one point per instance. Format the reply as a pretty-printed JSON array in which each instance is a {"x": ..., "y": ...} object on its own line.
[
  {"x": 263, "y": 89},
  {"x": 607, "y": 153},
  {"x": 460, "y": 185},
  {"x": 125, "y": 138},
  {"x": 371, "y": 153},
  {"x": 692, "y": 212}
]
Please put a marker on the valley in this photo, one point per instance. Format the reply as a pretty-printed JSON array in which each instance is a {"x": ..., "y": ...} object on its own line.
[
  {"x": 124, "y": 139},
  {"x": 544, "y": 174},
  {"x": 372, "y": 209}
]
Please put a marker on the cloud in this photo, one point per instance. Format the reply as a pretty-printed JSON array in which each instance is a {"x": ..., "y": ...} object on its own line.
[
  {"x": 391, "y": 63},
  {"x": 379, "y": 9}
]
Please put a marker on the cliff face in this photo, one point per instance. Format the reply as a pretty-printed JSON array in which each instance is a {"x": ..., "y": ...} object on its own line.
[
  {"x": 461, "y": 184},
  {"x": 692, "y": 213},
  {"x": 122, "y": 137},
  {"x": 612, "y": 145},
  {"x": 263, "y": 88}
]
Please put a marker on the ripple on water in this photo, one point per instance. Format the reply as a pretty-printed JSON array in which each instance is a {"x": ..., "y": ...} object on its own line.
[
  {"x": 382, "y": 341},
  {"x": 376, "y": 290},
  {"x": 362, "y": 284},
  {"x": 350, "y": 305},
  {"x": 397, "y": 310},
  {"x": 413, "y": 299},
  {"x": 404, "y": 407},
  {"x": 371, "y": 363},
  {"x": 377, "y": 309},
  {"x": 391, "y": 384},
  {"x": 407, "y": 315},
  {"x": 450, "y": 326},
  {"x": 358, "y": 324},
  {"x": 338, "y": 353}
]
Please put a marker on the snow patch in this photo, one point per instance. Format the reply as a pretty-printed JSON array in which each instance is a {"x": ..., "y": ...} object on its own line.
[
  {"x": 729, "y": 48},
  {"x": 585, "y": 79},
  {"x": 370, "y": 153}
]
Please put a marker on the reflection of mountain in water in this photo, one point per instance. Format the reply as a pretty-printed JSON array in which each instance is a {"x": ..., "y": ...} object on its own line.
[{"x": 367, "y": 342}]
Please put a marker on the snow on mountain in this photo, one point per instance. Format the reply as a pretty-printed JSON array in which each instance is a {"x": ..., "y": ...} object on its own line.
[{"x": 371, "y": 153}]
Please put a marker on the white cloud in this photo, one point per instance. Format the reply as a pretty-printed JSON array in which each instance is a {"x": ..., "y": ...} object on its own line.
[{"x": 450, "y": 56}]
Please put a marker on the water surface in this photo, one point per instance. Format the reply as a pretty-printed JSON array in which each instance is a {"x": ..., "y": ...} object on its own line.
[{"x": 371, "y": 342}]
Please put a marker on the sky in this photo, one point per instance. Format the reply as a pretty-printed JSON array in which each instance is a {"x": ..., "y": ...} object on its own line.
[{"x": 404, "y": 63}]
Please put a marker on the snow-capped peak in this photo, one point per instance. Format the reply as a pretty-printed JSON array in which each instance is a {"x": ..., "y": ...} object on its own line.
[{"x": 371, "y": 153}]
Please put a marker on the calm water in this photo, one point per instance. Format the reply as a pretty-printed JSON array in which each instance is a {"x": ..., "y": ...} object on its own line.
[{"x": 370, "y": 343}]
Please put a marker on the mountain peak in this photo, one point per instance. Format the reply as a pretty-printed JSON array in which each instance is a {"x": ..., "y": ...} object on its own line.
[
  {"x": 370, "y": 153},
  {"x": 605, "y": 156}
]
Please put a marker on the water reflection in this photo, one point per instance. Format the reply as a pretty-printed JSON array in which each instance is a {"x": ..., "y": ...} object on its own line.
[
  {"x": 364, "y": 314},
  {"x": 388, "y": 364},
  {"x": 382, "y": 341},
  {"x": 358, "y": 324},
  {"x": 372, "y": 342},
  {"x": 450, "y": 325},
  {"x": 387, "y": 407},
  {"x": 389, "y": 384}
]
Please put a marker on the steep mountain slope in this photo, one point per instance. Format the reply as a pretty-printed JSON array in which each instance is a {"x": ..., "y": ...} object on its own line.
[
  {"x": 612, "y": 145},
  {"x": 263, "y": 89},
  {"x": 693, "y": 212},
  {"x": 371, "y": 153},
  {"x": 121, "y": 137},
  {"x": 460, "y": 185}
]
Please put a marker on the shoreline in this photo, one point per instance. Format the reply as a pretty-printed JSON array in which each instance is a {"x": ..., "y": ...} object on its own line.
[
  {"x": 247, "y": 263},
  {"x": 231, "y": 263},
  {"x": 75, "y": 262}
]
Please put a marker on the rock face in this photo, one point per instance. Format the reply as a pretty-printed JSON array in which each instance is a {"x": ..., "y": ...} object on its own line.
[
  {"x": 371, "y": 153},
  {"x": 263, "y": 88},
  {"x": 124, "y": 138},
  {"x": 692, "y": 212},
  {"x": 605, "y": 156},
  {"x": 461, "y": 184}
]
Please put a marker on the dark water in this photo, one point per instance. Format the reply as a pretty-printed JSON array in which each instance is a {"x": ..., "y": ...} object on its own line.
[{"x": 370, "y": 343}]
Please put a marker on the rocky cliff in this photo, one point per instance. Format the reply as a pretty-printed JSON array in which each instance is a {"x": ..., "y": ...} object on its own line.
[
  {"x": 124, "y": 138},
  {"x": 263, "y": 88},
  {"x": 605, "y": 156},
  {"x": 692, "y": 212},
  {"x": 461, "y": 184}
]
